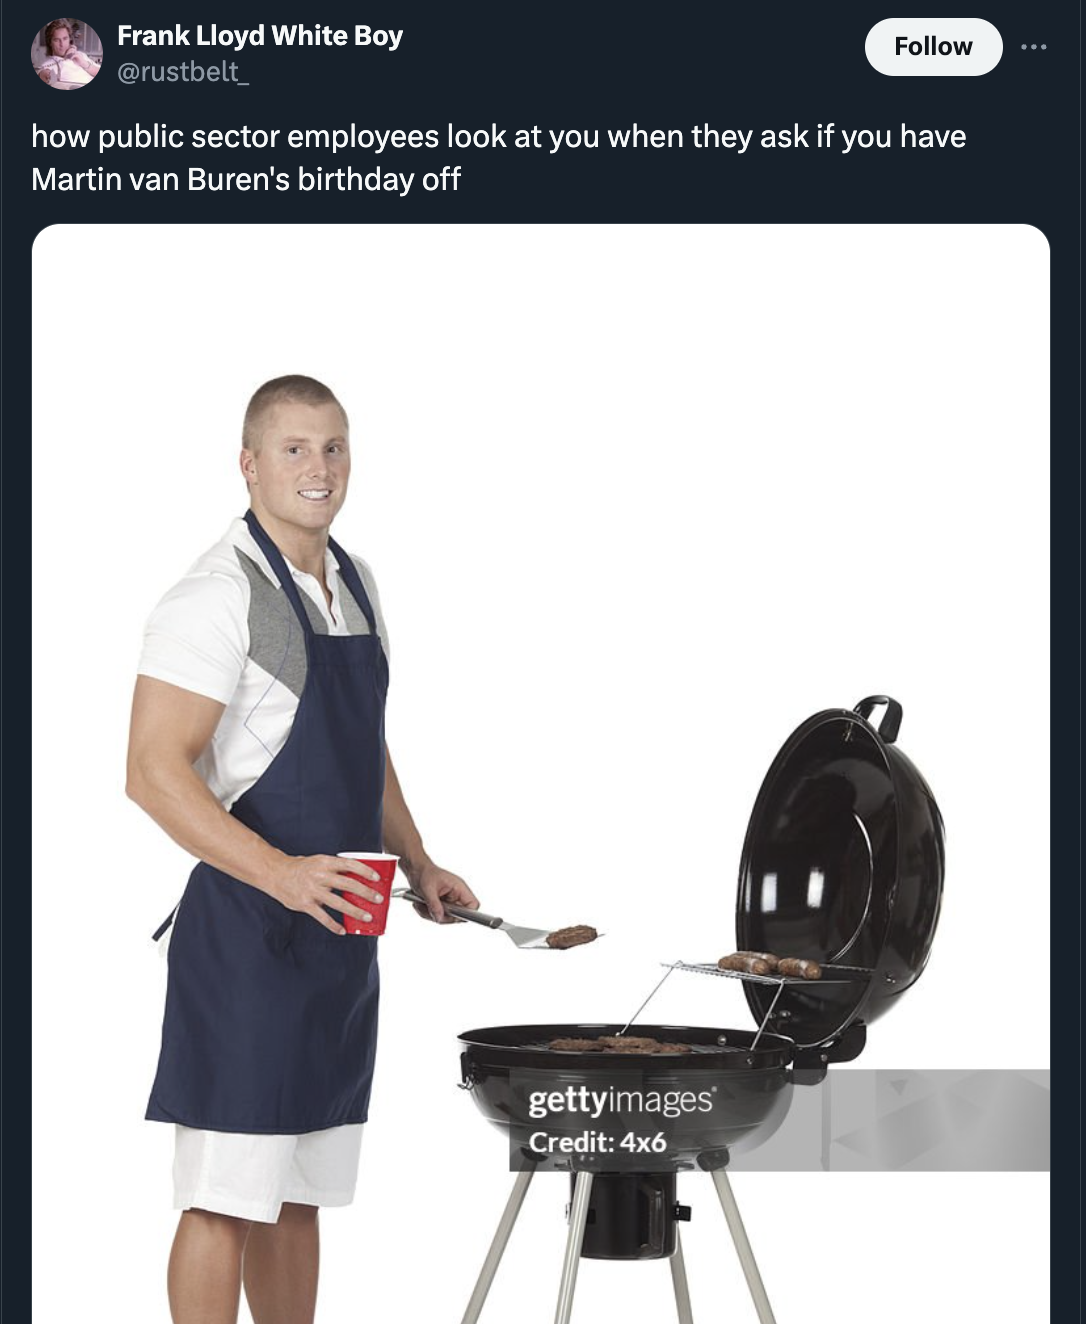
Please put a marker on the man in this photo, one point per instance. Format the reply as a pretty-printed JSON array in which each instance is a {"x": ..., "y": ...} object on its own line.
[
  {"x": 257, "y": 743},
  {"x": 64, "y": 63}
]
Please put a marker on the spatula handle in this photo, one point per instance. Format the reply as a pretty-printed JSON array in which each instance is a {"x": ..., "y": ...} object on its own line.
[{"x": 458, "y": 912}]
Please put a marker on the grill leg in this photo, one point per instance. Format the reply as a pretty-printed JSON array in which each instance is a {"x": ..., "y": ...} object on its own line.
[
  {"x": 678, "y": 1281},
  {"x": 497, "y": 1246},
  {"x": 578, "y": 1217},
  {"x": 742, "y": 1246}
]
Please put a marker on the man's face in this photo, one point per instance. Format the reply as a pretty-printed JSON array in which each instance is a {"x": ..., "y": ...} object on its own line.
[
  {"x": 61, "y": 40},
  {"x": 299, "y": 473}
]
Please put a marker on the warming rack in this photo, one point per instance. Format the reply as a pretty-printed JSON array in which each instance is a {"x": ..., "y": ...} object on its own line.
[{"x": 831, "y": 974}]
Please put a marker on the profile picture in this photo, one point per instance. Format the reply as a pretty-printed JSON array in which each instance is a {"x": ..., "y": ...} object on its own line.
[{"x": 66, "y": 54}]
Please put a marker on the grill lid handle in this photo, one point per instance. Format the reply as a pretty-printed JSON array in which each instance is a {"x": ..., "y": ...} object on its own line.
[{"x": 890, "y": 724}]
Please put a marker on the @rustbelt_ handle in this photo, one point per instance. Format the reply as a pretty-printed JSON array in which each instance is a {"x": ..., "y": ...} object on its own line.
[
  {"x": 457, "y": 912},
  {"x": 890, "y": 724}
]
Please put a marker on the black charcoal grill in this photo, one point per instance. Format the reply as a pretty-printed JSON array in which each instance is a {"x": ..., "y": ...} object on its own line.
[{"x": 842, "y": 864}]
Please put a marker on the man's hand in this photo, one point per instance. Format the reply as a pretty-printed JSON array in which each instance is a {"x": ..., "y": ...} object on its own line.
[
  {"x": 438, "y": 885},
  {"x": 305, "y": 884},
  {"x": 45, "y": 75}
]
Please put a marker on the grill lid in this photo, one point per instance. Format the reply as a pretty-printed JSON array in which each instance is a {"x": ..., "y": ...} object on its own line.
[{"x": 842, "y": 863}]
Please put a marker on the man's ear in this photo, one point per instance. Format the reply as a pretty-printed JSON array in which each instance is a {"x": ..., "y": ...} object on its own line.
[{"x": 247, "y": 462}]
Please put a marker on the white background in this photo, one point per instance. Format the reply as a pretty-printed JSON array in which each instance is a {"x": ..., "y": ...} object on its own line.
[{"x": 639, "y": 501}]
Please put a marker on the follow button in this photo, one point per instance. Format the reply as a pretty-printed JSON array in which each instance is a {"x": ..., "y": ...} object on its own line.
[{"x": 929, "y": 47}]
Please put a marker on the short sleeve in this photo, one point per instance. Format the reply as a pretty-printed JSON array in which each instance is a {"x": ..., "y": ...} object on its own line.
[{"x": 198, "y": 636}]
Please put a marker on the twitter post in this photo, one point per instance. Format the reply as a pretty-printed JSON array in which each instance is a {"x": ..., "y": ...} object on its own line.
[{"x": 542, "y": 705}]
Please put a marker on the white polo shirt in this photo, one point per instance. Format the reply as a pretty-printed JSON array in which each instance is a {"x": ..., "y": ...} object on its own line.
[{"x": 227, "y": 631}]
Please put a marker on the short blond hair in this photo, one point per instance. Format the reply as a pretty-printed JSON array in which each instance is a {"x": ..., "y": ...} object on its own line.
[{"x": 294, "y": 389}]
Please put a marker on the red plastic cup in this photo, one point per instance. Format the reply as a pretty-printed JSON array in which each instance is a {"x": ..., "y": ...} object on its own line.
[{"x": 385, "y": 865}]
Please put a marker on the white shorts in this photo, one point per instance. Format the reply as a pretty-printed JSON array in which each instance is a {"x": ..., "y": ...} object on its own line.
[{"x": 252, "y": 1177}]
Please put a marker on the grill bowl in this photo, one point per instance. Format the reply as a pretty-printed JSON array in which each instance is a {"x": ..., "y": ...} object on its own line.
[{"x": 749, "y": 1085}]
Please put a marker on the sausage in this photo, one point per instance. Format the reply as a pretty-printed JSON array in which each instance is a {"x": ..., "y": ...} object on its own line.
[
  {"x": 767, "y": 957},
  {"x": 801, "y": 969},
  {"x": 745, "y": 962}
]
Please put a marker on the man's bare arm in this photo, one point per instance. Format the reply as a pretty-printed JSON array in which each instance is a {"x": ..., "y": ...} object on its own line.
[
  {"x": 402, "y": 838},
  {"x": 171, "y": 727}
]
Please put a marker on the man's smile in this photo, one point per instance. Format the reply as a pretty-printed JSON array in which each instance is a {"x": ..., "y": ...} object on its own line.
[{"x": 315, "y": 493}]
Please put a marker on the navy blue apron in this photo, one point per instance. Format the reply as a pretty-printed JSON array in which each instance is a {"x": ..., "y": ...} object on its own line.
[{"x": 271, "y": 1019}]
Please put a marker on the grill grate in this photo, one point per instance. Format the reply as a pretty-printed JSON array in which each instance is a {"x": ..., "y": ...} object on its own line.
[{"x": 543, "y": 1046}]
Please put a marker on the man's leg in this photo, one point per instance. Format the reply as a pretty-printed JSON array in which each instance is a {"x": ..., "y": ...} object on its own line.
[
  {"x": 204, "y": 1277},
  {"x": 280, "y": 1267}
]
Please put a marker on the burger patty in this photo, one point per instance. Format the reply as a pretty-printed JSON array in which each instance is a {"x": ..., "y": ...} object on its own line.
[
  {"x": 617, "y": 1043},
  {"x": 574, "y": 936}
]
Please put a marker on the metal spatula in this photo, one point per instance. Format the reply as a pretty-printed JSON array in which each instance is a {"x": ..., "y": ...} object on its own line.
[{"x": 524, "y": 938}]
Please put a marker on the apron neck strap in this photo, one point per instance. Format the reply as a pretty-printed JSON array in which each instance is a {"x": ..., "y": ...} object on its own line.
[
  {"x": 282, "y": 572},
  {"x": 353, "y": 580}
]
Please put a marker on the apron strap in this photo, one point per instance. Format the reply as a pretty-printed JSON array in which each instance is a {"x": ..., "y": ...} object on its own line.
[
  {"x": 278, "y": 564},
  {"x": 165, "y": 923},
  {"x": 353, "y": 580},
  {"x": 281, "y": 570}
]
